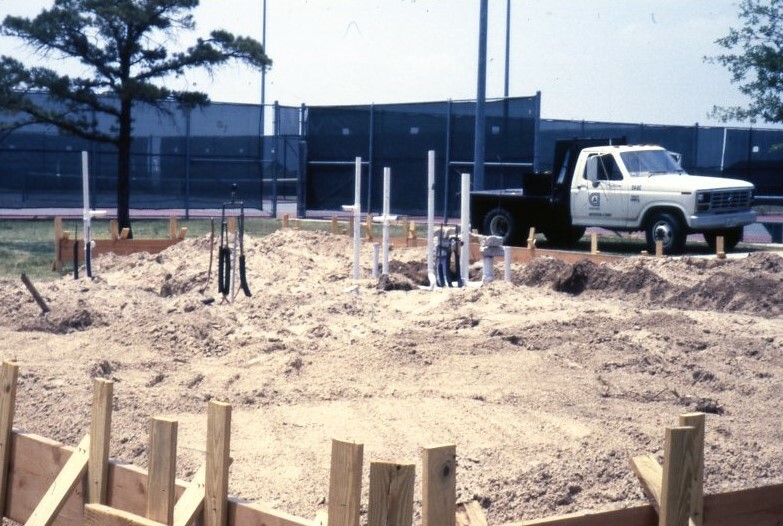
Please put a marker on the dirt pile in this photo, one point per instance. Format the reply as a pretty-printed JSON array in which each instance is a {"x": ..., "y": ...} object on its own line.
[{"x": 545, "y": 384}]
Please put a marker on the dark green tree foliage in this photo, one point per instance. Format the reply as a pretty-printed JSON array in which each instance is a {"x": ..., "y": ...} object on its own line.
[
  {"x": 122, "y": 46},
  {"x": 755, "y": 59}
]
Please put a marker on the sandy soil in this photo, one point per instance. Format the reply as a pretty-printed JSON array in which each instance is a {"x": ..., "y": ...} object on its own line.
[{"x": 546, "y": 385}]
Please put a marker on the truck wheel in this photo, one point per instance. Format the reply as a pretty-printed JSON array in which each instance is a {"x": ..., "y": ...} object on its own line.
[
  {"x": 564, "y": 236},
  {"x": 669, "y": 228},
  {"x": 731, "y": 237},
  {"x": 500, "y": 222}
]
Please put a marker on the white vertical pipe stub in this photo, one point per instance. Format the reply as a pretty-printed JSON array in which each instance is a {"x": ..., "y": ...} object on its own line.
[
  {"x": 86, "y": 217},
  {"x": 386, "y": 204},
  {"x": 430, "y": 212},
  {"x": 357, "y": 219},
  {"x": 465, "y": 227}
]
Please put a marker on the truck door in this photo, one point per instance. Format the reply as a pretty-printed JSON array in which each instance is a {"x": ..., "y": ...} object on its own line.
[{"x": 599, "y": 195}]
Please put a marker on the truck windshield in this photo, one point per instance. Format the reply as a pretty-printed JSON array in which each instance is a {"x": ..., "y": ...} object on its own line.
[{"x": 644, "y": 163}]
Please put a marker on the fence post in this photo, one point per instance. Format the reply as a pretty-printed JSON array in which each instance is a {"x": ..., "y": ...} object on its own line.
[
  {"x": 439, "y": 486},
  {"x": 678, "y": 473},
  {"x": 345, "y": 483},
  {"x": 391, "y": 494}
]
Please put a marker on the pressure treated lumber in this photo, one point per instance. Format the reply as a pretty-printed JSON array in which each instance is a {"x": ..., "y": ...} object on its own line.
[
  {"x": 100, "y": 515},
  {"x": 162, "y": 468},
  {"x": 191, "y": 503},
  {"x": 439, "y": 485},
  {"x": 8, "y": 378},
  {"x": 345, "y": 483},
  {"x": 650, "y": 475},
  {"x": 697, "y": 422},
  {"x": 678, "y": 469},
  {"x": 55, "y": 497},
  {"x": 218, "y": 460},
  {"x": 36, "y": 460},
  {"x": 391, "y": 494},
  {"x": 470, "y": 514},
  {"x": 100, "y": 436}
]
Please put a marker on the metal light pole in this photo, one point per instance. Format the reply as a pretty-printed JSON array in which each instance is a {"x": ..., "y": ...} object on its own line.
[
  {"x": 508, "y": 45},
  {"x": 481, "y": 96}
]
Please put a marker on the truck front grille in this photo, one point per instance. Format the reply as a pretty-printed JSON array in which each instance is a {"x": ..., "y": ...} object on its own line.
[{"x": 730, "y": 200}]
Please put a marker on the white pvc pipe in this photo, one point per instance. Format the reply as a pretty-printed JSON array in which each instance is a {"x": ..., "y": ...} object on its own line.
[
  {"x": 465, "y": 227},
  {"x": 86, "y": 216},
  {"x": 386, "y": 203},
  {"x": 430, "y": 212},
  {"x": 507, "y": 261},
  {"x": 357, "y": 219}
]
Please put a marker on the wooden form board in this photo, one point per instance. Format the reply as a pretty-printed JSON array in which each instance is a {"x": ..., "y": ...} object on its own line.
[
  {"x": 8, "y": 377},
  {"x": 524, "y": 255},
  {"x": 121, "y": 247},
  {"x": 36, "y": 461}
]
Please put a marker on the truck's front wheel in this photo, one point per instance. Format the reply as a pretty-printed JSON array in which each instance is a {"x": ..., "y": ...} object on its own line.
[
  {"x": 500, "y": 222},
  {"x": 669, "y": 229}
]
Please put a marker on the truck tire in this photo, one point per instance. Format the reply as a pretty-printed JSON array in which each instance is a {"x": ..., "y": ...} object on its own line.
[
  {"x": 564, "y": 236},
  {"x": 670, "y": 229},
  {"x": 731, "y": 237},
  {"x": 500, "y": 222}
]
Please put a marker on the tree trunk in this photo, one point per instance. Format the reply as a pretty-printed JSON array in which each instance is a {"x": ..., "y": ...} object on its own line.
[{"x": 124, "y": 166}]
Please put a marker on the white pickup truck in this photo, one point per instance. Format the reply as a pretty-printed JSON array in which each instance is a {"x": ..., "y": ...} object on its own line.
[{"x": 618, "y": 187}]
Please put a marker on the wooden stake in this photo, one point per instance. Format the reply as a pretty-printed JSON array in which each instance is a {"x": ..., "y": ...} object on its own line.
[
  {"x": 172, "y": 227},
  {"x": 114, "y": 230},
  {"x": 125, "y": 233},
  {"x": 412, "y": 230},
  {"x": 531, "y": 242},
  {"x": 58, "y": 235},
  {"x": 8, "y": 378},
  {"x": 182, "y": 233},
  {"x": 285, "y": 220},
  {"x": 439, "y": 486},
  {"x": 345, "y": 483},
  {"x": 100, "y": 434},
  {"x": 391, "y": 494},
  {"x": 162, "y": 467},
  {"x": 218, "y": 450},
  {"x": 334, "y": 225},
  {"x": 650, "y": 475},
  {"x": 36, "y": 296},
  {"x": 696, "y": 421},
  {"x": 678, "y": 470},
  {"x": 659, "y": 248},
  {"x": 368, "y": 227},
  {"x": 720, "y": 245},
  {"x": 594, "y": 243},
  {"x": 349, "y": 230}
]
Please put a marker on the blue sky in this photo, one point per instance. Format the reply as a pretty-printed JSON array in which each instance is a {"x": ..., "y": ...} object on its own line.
[{"x": 606, "y": 60}]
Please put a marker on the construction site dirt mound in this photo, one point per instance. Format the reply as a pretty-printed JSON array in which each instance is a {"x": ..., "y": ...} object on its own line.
[{"x": 545, "y": 384}]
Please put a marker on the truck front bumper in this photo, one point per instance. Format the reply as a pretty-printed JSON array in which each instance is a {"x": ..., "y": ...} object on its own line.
[{"x": 720, "y": 221}]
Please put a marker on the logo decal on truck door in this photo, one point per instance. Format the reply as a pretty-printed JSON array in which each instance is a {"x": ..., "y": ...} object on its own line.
[{"x": 595, "y": 199}]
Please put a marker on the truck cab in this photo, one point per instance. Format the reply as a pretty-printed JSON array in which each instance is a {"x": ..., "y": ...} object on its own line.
[{"x": 644, "y": 187}]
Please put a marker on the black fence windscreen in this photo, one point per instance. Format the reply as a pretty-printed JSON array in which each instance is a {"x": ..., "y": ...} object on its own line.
[
  {"x": 190, "y": 159},
  {"x": 398, "y": 136}
]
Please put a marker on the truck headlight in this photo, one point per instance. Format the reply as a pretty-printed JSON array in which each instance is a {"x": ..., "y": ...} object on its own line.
[{"x": 703, "y": 201}]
